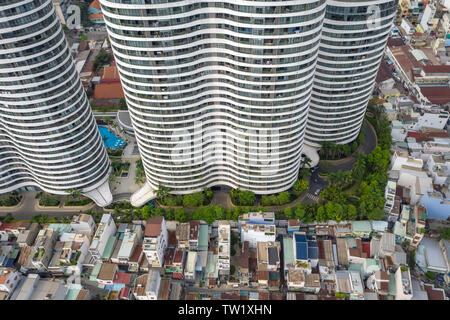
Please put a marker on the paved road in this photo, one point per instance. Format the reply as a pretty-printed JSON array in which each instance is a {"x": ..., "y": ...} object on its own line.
[{"x": 370, "y": 142}]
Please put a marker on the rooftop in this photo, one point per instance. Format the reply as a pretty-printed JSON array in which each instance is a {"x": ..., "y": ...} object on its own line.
[{"x": 153, "y": 227}]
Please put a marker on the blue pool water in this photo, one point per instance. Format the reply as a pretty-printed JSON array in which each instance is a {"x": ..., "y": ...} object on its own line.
[{"x": 111, "y": 140}]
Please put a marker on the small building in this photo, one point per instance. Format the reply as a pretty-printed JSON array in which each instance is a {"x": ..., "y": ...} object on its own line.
[
  {"x": 27, "y": 237},
  {"x": 403, "y": 283},
  {"x": 361, "y": 228},
  {"x": 147, "y": 286},
  {"x": 106, "y": 274}
]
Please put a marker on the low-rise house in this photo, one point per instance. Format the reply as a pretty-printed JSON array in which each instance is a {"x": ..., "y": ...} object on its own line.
[
  {"x": 342, "y": 229},
  {"x": 224, "y": 242},
  {"x": 361, "y": 228},
  {"x": 268, "y": 256},
  {"x": 387, "y": 245},
  {"x": 136, "y": 259},
  {"x": 9, "y": 279},
  {"x": 28, "y": 236},
  {"x": 182, "y": 235},
  {"x": 194, "y": 227},
  {"x": 83, "y": 223},
  {"x": 389, "y": 194},
  {"x": 132, "y": 237},
  {"x": 43, "y": 249},
  {"x": 191, "y": 261},
  {"x": 350, "y": 283},
  {"x": 306, "y": 251},
  {"x": 105, "y": 229},
  {"x": 295, "y": 279},
  {"x": 254, "y": 233},
  {"x": 293, "y": 225},
  {"x": 155, "y": 241},
  {"x": 256, "y": 218},
  {"x": 69, "y": 253},
  {"x": 342, "y": 251},
  {"x": 312, "y": 283},
  {"x": 325, "y": 251},
  {"x": 164, "y": 289},
  {"x": 288, "y": 254},
  {"x": 244, "y": 271},
  {"x": 147, "y": 286},
  {"x": 379, "y": 282},
  {"x": 403, "y": 284},
  {"x": 434, "y": 258},
  {"x": 436, "y": 205},
  {"x": 203, "y": 237},
  {"x": 14, "y": 228},
  {"x": 107, "y": 274},
  {"x": 35, "y": 288},
  {"x": 445, "y": 247}
]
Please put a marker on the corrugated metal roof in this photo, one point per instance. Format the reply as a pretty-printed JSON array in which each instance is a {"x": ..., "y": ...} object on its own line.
[
  {"x": 288, "y": 251},
  {"x": 109, "y": 247},
  {"x": 203, "y": 237}
]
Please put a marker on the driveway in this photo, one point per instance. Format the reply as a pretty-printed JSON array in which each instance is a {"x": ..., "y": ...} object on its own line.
[{"x": 346, "y": 164}]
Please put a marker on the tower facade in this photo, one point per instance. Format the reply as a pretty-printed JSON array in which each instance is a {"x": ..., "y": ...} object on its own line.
[
  {"x": 219, "y": 92},
  {"x": 354, "y": 35},
  {"x": 48, "y": 135}
]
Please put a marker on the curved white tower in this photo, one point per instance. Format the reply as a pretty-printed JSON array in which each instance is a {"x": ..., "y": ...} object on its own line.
[
  {"x": 218, "y": 91},
  {"x": 48, "y": 135},
  {"x": 354, "y": 36}
]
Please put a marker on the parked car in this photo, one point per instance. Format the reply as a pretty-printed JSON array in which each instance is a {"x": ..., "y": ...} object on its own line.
[{"x": 317, "y": 192}]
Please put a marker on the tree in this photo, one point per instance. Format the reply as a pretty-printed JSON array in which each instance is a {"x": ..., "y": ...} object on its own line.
[
  {"x": 284, "y": 197},
  {"x": 300, "y": 212},
  {"x": 321, "y": 215},
  {"x": 288, "y": 213},
  {"x": 101, "y": 59},
  {"x": 122, "y": 104},
  {"x": 180, "y": 215},
  {"x": 300, "y": 186},
  {"x": 8, "y": 217},
  {"x": 83, "y": 37},
  {"x": 146, "y": 211},
  {"x": 444, "y": 232},
  {"x": 306, "y": 162},
  {"x": 351, "y": 212},
  {"x": 376, "y": 214},
  {"x": 162, "y": 193}
]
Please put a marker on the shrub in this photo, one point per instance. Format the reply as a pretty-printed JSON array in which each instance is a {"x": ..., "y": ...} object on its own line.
[
  {"x": 430, "y": 275},
  {"x": 232, "y": 269},
  {"x": 10, "y": 199},
  {"x": 300, "y": 186},
  {"x": 242, "y": 197},
  {"x": 48, "y": 200}
]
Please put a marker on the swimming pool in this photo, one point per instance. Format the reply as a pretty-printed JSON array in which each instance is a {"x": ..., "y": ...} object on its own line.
[{"x": 110, "y": 140}]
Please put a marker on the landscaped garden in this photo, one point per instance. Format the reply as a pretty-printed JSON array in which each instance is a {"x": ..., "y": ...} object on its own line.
[
  {"x": 75, "y": 199},
  {"x": 10, "y": 199},
  {"x": 119, "y": 166},
  {"x": 47, "y": 199},
  {"x": 140, "y": 174}
]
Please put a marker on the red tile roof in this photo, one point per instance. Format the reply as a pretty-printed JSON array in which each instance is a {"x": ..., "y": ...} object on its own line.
[
  {"x": 95, "y": 4},
  {"x": 95, "y": 16},
  {"x": 108, "y": 91},
  {"x": 124, "y": 293},
  {"x": 153, "y": 227},
  {"x": 122, "y": 277},
  {"x": 110, "y": 74},
  {"x": 413, "y": 134},
  {"x": 436, "y": 95},
  {"x": 136, "y": 253},
  {"x": 437, "y": 69}
]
